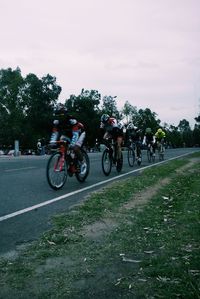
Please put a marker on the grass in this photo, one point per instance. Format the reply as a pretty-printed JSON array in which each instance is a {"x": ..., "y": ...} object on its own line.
[{"x": 118, "y": 245}]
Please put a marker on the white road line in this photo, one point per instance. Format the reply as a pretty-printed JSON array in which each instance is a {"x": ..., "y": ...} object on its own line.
[
  {"x": 48, "y": 202},
  {"x": 22, "y": 168}
]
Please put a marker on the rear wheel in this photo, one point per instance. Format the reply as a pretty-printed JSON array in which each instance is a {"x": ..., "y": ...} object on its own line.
[
  {"x": 131, "y": 156},
  {"x": 106, "y": 162},
  {"x": 161, "y": 150},
  {"x": 82, "y": 177},
  {"x": 139, "y": 160},
  {"x": 56, "y": 171},
  {"x": 149, "y": 155}
]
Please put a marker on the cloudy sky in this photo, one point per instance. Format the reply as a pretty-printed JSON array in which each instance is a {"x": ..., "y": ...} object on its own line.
[{"x": 146, "y": 52}]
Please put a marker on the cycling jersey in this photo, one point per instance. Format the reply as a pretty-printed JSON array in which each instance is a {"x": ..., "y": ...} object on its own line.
[
  {"x": 71, "y": 129},
  {"x": 112, "y": 128},
  {"x": 160, "y": 135}
]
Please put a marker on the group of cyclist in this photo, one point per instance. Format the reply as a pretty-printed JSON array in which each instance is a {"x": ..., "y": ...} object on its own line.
[
  {"x": 130, "y": 134},
  {"x": 110, "y": 128}
]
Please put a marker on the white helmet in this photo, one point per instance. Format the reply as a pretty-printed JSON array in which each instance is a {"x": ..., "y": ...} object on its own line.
[
  {"x": 131, "y": 126},
  {"x": 73, "y": 121}
]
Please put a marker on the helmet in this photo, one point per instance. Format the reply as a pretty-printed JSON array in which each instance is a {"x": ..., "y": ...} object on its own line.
[
  {"x": 104, "y": 118},
  {"x": 130, "y": 126},
  {"x": 160, "y": 130},
  {"x": 61, "y": 109},
  {"x": 73, "y": 121},
  {"x": 148, "y": 130}
]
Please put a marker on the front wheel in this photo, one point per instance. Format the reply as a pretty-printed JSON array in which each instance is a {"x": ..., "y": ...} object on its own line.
[
  {"x": 119, "y": 163},
  {"x": 106, "y": 162},
  {"x": 131, "y": 156},
  {"x": 56, "y": 171},
  {"x": 82, "y": 177}
]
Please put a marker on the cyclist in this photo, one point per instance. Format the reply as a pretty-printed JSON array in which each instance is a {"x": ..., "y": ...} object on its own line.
[
  {"x": 133, "y": 134},
  {"x": 160, "y": 135},
  {"x": 150, "y": 140},
  {"x": 72, "y": 129},
  {"x": 160, "y": 139},
  {"x": 112, "y": 129}
]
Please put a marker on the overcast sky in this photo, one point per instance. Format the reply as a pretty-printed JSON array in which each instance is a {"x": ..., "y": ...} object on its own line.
[{"x": 146, "y": 52}]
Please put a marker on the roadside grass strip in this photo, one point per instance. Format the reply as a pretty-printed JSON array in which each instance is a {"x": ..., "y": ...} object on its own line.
[{"x": 136, "y": 238}]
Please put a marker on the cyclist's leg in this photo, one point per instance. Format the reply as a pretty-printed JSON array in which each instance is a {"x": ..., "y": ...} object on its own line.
[
  {"x": 119, "y": 141},
  {"x": 138, "y": 149}
]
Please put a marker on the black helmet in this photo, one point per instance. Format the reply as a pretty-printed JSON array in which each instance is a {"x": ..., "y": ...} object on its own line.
[{"x": 61, "y": 109}]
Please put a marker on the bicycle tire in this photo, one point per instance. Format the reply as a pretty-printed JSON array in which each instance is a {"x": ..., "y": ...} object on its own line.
[
  {"x": 56, "y": 171},
  {"x": 149, "y": 155},
  {"x": 131, "y": 156},
  {"x": 106, "y": 162},
  {"x": 82, "y": 177},
  {"x": 119, "y": 163},
  {"x": 139, "y": 162}
]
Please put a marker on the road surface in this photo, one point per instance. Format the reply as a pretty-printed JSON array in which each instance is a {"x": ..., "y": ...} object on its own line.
[{"x": 27, "y": 203}]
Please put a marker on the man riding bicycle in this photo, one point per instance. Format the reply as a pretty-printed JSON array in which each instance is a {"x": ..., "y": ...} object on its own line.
[
  {"x": 72, "y": 129},
  {"x": 160, "y": 135},
  {"x": 112, "y": 130},
  {"x": 133, "y": 134},
  {"x": 149, "y": 140},
  {"x": 160, "y": 140}
]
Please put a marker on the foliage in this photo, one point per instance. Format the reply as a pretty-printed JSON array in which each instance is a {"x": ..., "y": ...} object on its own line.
[
  {"x": 85, "y": 108},
  {"x": 26, "y": 106},
  {"x": 110, "y": 107}
]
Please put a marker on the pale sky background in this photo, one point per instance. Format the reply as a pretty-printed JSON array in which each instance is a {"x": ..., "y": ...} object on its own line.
[{"x": 146, "y": 52}]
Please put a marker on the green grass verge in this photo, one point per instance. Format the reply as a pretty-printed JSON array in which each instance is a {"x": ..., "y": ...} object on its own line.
[{"x": 147, "y": 251}]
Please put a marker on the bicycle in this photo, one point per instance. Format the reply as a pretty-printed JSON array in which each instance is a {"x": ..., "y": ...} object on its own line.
[
  {"x": 109, "y": 158},
  {"x": 150, "y": 153},
  {"x": 64, "y": 162},
  {"x": 134, "y": 153},
  {"x": 161, "y": 149}
]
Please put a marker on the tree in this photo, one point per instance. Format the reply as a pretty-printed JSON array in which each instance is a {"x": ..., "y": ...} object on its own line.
[
  {"x": 146, "y": 119},
  {"x": 85, "y": 108},
  {"x": 40, "y": 97},
  {"x": 110, "y": 107},
  {"x": 11, "y": 105},
  {"x": 174, "y": 138},
  {"x": 186, "y": 133},
  {"x": 128, "y": 111}
]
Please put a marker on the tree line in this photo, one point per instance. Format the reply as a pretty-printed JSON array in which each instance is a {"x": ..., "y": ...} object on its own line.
[{"x": 27, "y": 105}]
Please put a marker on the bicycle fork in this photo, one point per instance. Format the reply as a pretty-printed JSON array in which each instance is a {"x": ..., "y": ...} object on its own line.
[{"x": 61, "y": 160}]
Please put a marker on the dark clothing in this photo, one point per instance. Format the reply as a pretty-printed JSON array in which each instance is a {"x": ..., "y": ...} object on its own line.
[{"x": 149, "y": 137}]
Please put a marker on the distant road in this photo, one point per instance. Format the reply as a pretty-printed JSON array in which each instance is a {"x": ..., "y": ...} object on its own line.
[{"x": 27, "y": 203}]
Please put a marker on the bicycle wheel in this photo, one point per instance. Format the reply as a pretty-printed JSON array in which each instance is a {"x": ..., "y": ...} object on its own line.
[
  {"x": 119, "y": 163},
  {"x": 82, "y": 177},
  {"x": 106, "y": 162},
  {"x": 56, "y": 171},
  {"x": 149, "y": 155},
  {"x": 161, "y": 152},
  {"x": 131, "y": 156},
  {"x": 139, "y": 160}
]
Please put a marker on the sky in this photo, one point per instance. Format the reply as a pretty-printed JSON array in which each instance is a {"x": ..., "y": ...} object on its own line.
[{"x": 146, "y": 52}]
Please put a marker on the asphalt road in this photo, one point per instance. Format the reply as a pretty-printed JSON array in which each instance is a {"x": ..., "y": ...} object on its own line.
[{"x": 27, "y": 203}]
